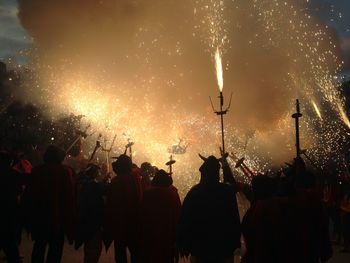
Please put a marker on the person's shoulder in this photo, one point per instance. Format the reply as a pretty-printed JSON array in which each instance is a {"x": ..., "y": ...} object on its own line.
[
  {"x": 194, "y": 193},
  {"x": 224, "y": 189},
  {"x": 227, "y": 187},
  {"x": 195, "y": 189}
]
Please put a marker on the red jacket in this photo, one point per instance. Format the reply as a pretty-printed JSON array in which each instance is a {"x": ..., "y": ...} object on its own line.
[
  {"x": 287, "y": 229},
  {"x": 123, "y": 201},
  {"x": 159, "y": 215},
  {"x": 50, "y": 200}
]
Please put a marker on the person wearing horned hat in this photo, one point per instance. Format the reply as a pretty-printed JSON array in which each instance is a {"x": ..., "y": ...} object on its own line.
[{"x": 209, "y": 227}]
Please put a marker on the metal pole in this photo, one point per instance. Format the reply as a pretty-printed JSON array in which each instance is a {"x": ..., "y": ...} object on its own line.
[
  {"x": 130, "y": 151},
  {"x": 222, "y": 122},
  {"x": 296, "y": 116}
]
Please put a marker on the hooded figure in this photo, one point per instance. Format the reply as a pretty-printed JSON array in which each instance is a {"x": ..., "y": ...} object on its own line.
[
  {"x": 160, "y": 211},
  {"x": 209, "y": 227},
  {"x": 50, "y": 206},
  {"x": 123, "y": 202}
]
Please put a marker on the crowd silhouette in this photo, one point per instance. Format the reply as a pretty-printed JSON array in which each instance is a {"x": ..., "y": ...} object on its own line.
[{"x": 293, "y": 215}]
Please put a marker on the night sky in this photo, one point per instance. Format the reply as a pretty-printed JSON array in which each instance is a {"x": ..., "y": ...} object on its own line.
[{"x": 334, "y": 13}]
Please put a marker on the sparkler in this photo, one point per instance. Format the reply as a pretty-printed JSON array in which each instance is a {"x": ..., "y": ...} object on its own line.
[
  {"x": 222, "y": 112},
  {"x": 317, "y": 110},
  {"x": 97, "y": 146},
  {"x": 81, "y": 134},
  {"x": 343, "y": 115},
  {"x": 108, "y": 152},
  {"x": 129, "y": 147}
]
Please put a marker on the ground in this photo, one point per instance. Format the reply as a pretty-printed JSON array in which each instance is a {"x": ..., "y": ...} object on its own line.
[{"x": 72, "y": 256}]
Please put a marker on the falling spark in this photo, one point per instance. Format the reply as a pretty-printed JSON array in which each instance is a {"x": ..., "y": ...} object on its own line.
[
  {"x": 317, "y": 110},
  {"x": 343, "y": 115},
  {"x": 218, "y": 67}
]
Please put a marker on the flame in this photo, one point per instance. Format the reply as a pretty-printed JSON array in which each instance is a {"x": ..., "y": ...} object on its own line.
[
  {"x": 343, "y": 115},
  {"x": 317, "y": 110},
  {"x": 218, "y": 67}
]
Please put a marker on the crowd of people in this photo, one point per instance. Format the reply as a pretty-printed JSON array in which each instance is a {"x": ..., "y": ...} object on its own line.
[{"x": 292, "y": 215}]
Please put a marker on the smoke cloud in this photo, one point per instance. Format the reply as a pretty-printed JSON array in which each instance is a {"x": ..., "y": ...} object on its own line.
[{"x": 157, "y": 51}]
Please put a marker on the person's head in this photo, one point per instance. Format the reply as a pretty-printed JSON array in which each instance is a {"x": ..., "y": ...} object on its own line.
[
  {"x": 53, "y": 154},
  {"x": 263, "y": 187},
  {"x": 147, "y": 169},
  {"x": 162, "y": 179},
  {"x": 123, "y": 165},
  {"x": 210, "y": 170},
  {"x": 92, "y": 171}
]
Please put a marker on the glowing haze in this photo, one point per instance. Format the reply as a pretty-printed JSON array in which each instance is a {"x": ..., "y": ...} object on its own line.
[{"x": 145, "y": 70}]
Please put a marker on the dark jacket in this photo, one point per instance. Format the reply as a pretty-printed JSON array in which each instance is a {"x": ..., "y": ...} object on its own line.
[
  {"x": 90, "y": 211},
  {"x": 209, "y": 225}
]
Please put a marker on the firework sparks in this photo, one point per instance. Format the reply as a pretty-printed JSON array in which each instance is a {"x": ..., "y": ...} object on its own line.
[
  {"x": 218, "y": 67},
  {"x": 155, "y": 92},
  {"x": 343, "y": 115},
  {"x": 317, "y": 110}
]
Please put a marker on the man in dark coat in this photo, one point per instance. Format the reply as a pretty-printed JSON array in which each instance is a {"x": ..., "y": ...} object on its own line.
[
  {"x": 122, "y": 207},
  {"x": 160, "y": 211},
  {"x": 50, "y": 206},
  {"x": 9, "y": 192},
  {"x": 90, "y": 215},
  {"x": 209, "y": 227}
]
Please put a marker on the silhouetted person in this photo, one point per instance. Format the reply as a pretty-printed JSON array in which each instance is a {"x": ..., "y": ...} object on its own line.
[
  {"x": 312, "y": 217},
  {"x": 90, "y": 215},
  {"x": 160, "y": 211},
  {"x": 9, "y": 192},
  {"x": 209, "y": 227},
  {"x": 147, "y": 172},
  {"x": 123, "y": 201},
  {"x": 263, "y": 188},
  {"x": 291, "y": 227},
  {"x": 51, "y": 208},
  {"x": 345, "y": 209}
]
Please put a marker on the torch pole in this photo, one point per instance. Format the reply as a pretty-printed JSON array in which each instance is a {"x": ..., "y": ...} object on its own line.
[
  {"x": 296, "y": 116},
  {"x": 222, "y": 121}
]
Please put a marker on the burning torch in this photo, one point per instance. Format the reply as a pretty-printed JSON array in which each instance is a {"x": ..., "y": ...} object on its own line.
[{"x": 222, "y": 111}]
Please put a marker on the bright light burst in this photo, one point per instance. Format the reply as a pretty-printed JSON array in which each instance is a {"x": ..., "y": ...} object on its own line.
[
  {"x": 218, "y": 67},
  {"x": 317, "y": 110},
  {"x": 343, "y": 115},
  {"x": 116, "y": 107}
]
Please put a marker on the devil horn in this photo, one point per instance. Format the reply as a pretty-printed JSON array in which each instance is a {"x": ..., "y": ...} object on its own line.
[{"x": 202, "y": 157}]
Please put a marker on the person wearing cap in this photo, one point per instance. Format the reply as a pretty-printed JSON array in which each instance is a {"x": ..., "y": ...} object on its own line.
[
  {"x": 160, "y": 211},
  {"x": 122, "y": 207},
  {"x": 90, "y": 215},
  {"x": 209, "y": 227},
  {"x": 49, "y": 200}
]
